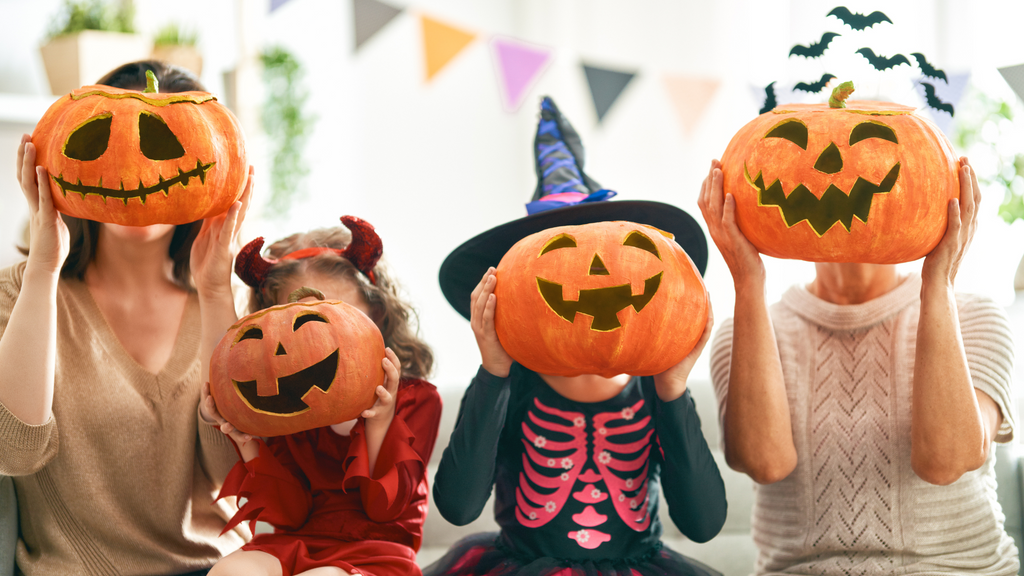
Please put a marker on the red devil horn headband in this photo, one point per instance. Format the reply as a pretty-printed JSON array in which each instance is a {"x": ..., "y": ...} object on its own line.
[{"x": 363, "y": 252}]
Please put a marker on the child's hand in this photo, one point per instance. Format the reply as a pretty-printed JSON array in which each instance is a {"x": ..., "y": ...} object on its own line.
[
  {"x": 671, "y": 383},
  {"x": 211, "y": 256},
  {"x": 493, "y": 356},
  {"x": 383, "y": 410},
  {"x": 209, "y": 413}
]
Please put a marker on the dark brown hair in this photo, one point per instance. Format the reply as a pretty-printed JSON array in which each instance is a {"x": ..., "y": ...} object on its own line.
[
  {"x": 85, "y": 233},
  {"x": 395, "y": 318}
]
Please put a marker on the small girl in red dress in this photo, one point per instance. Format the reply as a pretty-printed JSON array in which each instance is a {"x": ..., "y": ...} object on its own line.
[{"x": 349, "y": 498}]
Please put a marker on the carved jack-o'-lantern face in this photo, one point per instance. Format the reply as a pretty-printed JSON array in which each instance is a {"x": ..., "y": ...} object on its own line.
[
  {"x": 605, "y": 298},
  {"x": 865, "y": 183},
  {"x": 297, "y": 366},
  {"x": 137, "y": 158}
]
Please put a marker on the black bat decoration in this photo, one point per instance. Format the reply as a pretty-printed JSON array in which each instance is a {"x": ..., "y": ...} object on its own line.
[
  {"x": 814, "y": 50},
  {"x": 814, "y": 87},
  {"x": 769, "y": 99},
  {"x": 933, "y": 100},
  {"x": 858, "y": 21},
  {"x": 881, "y": 62},
  {"x": 929, "y": 70}
]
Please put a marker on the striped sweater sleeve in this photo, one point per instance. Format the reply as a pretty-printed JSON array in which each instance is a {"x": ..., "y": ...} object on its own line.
[{"x": 988, "y": 343}]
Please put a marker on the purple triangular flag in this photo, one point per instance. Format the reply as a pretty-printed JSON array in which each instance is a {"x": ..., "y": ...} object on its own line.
[
  {"x": 275, "y": 4},
  {"x": 948, "y": 93},
  {"x": 519, "y": 64}
]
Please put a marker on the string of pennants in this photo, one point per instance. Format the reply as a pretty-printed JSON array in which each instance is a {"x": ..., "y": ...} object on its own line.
[{"x": 520, "y": 64}]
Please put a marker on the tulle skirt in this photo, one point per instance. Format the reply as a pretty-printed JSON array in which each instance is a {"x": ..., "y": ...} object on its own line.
[{"x": 483, "y": 555}]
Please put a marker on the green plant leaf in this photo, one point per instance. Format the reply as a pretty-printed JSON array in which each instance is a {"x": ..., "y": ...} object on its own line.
[{"x": 287, "y": 125}]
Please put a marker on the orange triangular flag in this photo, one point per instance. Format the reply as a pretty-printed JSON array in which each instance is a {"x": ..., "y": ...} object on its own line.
[
  {"x": 441, "y": 43},
  {"x": 690, "y": 96}
]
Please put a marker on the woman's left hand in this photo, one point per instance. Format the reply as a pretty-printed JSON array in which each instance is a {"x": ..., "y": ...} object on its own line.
[
  {"x": 212, "y": 257},
  {"x": 941, "y": 265},
  {"x": 384, "y": 408},
  {"x": 671, "y": 384}
]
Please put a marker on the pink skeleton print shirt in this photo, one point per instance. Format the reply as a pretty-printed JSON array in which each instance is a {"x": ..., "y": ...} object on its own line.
[{"x": 590, "y": 463}]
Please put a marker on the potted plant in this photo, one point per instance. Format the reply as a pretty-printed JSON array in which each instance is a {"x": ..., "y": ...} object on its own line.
[
  {"x": 176, "y": 45},
  {"x": 87, "y": 39}
]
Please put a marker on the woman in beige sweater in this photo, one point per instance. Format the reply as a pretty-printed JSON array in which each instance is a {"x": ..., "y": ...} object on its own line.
[
  {"x": 114, "y": 468},
  {"x": 865, "y": 405}
]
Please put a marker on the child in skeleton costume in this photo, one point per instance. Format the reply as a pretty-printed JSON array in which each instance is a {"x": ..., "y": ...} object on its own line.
[
  {"x": 576, "y": 461},
  {"x": 340, "y": 496}
]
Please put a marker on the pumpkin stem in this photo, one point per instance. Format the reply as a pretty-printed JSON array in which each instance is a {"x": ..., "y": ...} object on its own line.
[
  {"x": 301, "y": 293},
  {"x": 152, "y": 85},
  {"x": 840, "y": 94}
]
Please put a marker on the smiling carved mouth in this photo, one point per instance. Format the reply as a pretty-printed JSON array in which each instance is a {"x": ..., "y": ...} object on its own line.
[
  {"x": 140, "y": 192},
  {"x": 833, "y": 206},
  {"x": 290, "y": 389},
  {"x": 603, "y": 304}
]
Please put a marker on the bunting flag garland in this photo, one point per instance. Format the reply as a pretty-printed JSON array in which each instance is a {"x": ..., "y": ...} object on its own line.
[
  {"x": 949, "y": 92},
  {"x": 275, "y": 4},
  {"x": 605, "y": 87},
  {"x": 441, "y": 43},
  {"x": 1014, "y": 76},
  {"x": 519, "y": 65},
  {"x": 690, "y": 96},
  {"x": 368, "y": 17}
]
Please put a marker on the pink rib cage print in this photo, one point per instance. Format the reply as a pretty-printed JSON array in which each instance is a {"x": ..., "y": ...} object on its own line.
[{"x": 624, "y": 479}]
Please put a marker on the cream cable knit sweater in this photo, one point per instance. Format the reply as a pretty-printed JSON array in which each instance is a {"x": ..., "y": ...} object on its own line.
[
  {"x": 122, "y": 478},
  {"x": 853, "y": 506}
]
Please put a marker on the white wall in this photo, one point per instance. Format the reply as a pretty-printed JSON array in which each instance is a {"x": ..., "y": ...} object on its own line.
[{"x": 431, "y": 165}]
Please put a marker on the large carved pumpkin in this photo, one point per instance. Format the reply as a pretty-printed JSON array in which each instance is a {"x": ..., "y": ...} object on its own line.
[
  {"x": 297, "y": 366},
  {"x": 140, "y": 158},
  {"x": 605, "y": 298},
  {"x": 869, "y": 182}
]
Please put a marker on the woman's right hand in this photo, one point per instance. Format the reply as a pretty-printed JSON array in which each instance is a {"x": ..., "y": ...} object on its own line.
[
  {"x": 719, "y": 211},
  {"x": 49, "y": 240},
  {"x": 482, "y": 302},
  {"x": 211, "y": 256}
]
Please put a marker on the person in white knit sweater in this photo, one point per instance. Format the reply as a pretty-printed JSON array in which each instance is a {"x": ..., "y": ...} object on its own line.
[{"x": 864, "y": 405}]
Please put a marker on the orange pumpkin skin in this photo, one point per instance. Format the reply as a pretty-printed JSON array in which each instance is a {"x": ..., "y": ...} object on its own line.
[
  {"x": 266, "y": 353},
  {"x": 900, "y": 225},
  {"x": 582, "y": 335},
  {"x": 201, "y": 177}
]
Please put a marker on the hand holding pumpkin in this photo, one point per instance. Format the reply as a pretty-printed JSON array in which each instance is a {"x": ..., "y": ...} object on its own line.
[
  {"x": 719, "y": 211},
  {"x": 211, "y": 258},
  {"x": 671, "y": 384},
  {"x": 941, "y": 265},
  {"x": 494, "y": 358},
  {"x": 383, "y": 408},
  {"x": 49, "y": 237},
  {"x": 208, "y": 412}
]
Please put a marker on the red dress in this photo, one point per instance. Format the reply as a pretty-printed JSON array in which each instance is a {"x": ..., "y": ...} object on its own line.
[{"x": 316, "y": 489}]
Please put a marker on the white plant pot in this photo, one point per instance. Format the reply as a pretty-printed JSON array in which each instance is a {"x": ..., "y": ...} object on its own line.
[
  {"x": 81, "y": 59},
  {"x": 187, "y": 57}
]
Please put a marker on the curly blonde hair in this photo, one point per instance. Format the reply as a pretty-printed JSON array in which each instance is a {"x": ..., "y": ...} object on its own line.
[{"x": 396, "y": 319}]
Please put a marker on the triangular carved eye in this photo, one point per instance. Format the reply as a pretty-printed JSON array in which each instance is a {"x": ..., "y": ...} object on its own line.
[
  {"x": 89, "y": 141},
  {"x": 641, "y": 241},
  {"x": 156, "y": 139}
]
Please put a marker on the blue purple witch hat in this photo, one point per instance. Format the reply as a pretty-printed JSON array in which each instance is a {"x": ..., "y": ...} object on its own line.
[{"x": 564, "y": 196}]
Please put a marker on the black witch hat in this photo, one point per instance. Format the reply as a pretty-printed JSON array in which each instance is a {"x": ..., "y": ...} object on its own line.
[{"x": 565, "y": 196}]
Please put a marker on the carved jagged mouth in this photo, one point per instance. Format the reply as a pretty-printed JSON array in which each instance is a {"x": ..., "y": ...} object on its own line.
[
  {"x": 140, "y": 192},
  {"x": 291, "y": 389},
  {"x": 603, "y": 304},
  {"x": 834, "y": 205}
]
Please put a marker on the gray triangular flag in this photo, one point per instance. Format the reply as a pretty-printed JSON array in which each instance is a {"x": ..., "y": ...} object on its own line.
[
  {"x": 369, "y": 16},
  {"x": 1014, "y": 76},
  {"x": 605, "y": 87}
]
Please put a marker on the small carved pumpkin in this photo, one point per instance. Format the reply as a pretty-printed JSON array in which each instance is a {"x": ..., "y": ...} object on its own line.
[
  {"x": 297, "y": 366},
  {"x": 605, "y": 298},
  {"x": 865, "y": 183},
  {"x": 140, "y": 158}
]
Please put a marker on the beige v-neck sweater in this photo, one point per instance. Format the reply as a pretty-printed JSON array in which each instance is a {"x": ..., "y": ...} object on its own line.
[
  {"x": 853, "y": 505},
  {"x": 122, "y": 478}
]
